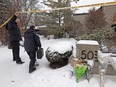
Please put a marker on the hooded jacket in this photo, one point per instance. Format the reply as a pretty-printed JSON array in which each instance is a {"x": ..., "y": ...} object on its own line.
[{"x": 31, "y": 40}]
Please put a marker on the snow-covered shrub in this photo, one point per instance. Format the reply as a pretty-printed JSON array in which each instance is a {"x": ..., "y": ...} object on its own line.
[
  {"x": 59, "y": 54},
  {"x": 98, "y": 35}
]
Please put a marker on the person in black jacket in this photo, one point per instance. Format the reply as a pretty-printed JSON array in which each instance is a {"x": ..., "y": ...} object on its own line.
[
  {"x": 15, "y": 37},
  {"x": 31, "y": 44}
]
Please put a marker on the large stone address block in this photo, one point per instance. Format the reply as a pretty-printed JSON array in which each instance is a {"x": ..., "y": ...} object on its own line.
[{"x": 87, "y": 49}]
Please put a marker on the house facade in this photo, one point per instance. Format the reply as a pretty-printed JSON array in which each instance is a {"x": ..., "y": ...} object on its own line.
[{"x": 109, "y": 12}]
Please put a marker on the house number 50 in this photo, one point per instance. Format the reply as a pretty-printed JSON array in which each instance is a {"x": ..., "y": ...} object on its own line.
[{"x": 88, "y": 55}]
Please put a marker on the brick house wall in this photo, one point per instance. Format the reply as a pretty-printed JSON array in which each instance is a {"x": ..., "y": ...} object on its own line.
[
  {"x": 109, "y": 11},
  {"x": 80, "y": 17}
]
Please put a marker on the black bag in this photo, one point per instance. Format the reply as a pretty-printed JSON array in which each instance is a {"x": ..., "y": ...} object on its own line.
[{"x": 40, "y": 53}]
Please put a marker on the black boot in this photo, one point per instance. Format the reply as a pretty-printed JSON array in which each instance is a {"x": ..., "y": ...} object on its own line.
[
  {"x": 14, "y": 59},
  {"x": 20, "y": 62},
  {"x": 31, "y": 70}
]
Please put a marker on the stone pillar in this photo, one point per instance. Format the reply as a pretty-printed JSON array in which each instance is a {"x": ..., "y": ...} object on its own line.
[{"x": 87, "y": 49}]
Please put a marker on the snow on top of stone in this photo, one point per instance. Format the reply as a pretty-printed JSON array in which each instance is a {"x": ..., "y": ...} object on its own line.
[
  {"x": 113, "y": 62},
  {"x": 61, "y": 47},
  {"x": 90, "y": 62},
  {"x": 88, "y": 42}
]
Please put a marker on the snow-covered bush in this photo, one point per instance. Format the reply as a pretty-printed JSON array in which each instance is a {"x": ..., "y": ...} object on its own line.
[
  {"x": 59, "y": 54},
  {"x": 98, "y": 35},
  {"x": 104, "y": 49}
]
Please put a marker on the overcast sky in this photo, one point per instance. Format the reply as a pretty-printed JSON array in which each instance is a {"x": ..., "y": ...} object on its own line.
[{"x": 85, "y": 2}]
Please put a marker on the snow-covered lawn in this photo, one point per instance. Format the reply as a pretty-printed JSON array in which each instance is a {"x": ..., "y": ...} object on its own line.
[{"x": 13, "y": 75}]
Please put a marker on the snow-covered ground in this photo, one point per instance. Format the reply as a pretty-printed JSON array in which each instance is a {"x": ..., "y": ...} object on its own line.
[{"x": 13, "y": 75}]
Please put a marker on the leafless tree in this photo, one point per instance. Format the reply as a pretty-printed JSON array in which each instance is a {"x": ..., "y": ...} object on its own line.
[{"x": 95, "y": 20}]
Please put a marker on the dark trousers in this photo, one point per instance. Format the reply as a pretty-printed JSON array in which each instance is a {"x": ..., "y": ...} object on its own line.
[
  {"x": 15, "y": 51},
  {"x": 32, "y": 56}
]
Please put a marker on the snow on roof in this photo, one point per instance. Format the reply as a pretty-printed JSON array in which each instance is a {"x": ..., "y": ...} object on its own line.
[
  {"x": 61, "y": 47},
  {"x": 88, "y": 42}
]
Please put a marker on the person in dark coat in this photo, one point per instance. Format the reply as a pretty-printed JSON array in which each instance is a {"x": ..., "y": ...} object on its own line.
[
  {"x": 14, "y": 37},
  {"x": 31, "y": 44}
]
